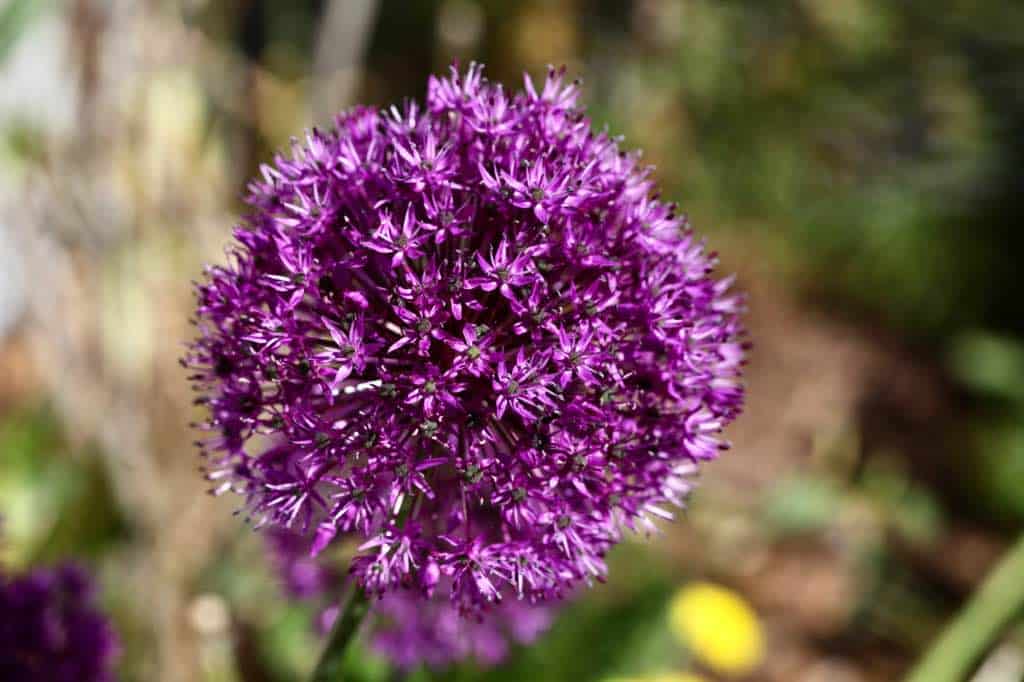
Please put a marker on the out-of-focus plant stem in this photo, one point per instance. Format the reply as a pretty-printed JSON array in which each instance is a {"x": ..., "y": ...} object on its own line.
[
  {"x": 340, "y": 46},
  {"x": 329, "y": 668},
  {"x": 974, "y": 630}
]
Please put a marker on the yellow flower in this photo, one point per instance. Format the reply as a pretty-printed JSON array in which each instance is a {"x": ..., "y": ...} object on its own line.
[{"x": 718, "y": 626}]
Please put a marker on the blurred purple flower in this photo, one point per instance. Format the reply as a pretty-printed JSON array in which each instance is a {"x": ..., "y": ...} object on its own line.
[
  {"x": 302, "y": 576},
  {"x": 403, "y": 626},
  {"x": 469, "y": 335},
  {"x": 410, "y": 631},
  {"x": 51, "y": 631}
]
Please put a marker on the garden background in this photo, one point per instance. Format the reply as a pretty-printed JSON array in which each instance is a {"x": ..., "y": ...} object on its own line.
[{"x": 857, "y": 162}]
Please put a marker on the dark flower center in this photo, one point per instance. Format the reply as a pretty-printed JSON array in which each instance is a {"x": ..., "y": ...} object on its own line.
[{"x": 223, "y": 367}]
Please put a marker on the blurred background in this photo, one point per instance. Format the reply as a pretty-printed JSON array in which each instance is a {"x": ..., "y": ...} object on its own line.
[{"x": 857, "y": 162}]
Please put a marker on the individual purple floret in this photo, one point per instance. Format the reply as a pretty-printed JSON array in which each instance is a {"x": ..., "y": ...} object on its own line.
[
  {"x": 471, "y": 336},
  {"x": 50, "y": 630}
]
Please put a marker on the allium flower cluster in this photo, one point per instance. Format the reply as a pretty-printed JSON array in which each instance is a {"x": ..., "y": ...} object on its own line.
[
  {"x": 411, "y": 632},
  {"x": 50, "y": 630},
  {"x": 470, "y": 335},
  {"x": 403, "y": 627}
]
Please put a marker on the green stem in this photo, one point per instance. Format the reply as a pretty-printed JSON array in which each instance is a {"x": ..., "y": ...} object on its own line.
[
  {"x": 329, "y": 668},
  {"x": 974, "y": 631}
]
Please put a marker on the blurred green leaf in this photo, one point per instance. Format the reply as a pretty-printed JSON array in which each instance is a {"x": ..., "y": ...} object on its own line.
[
  {"x": 907, "y": 507},
  {"x": 989, "y": 363},
  {"x": 801, "y": 505},
  {"x": 288, "y": 646},
  {"x": 15, "y": 17},
  {"x": 88, "y": 522},
  {"x": 55, "y": 504},
  {"x": 995, "y": 473},
  {"x": 592, "y": 639}
]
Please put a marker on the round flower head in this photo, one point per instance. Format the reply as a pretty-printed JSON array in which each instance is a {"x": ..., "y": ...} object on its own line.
[
  {"x": 50, "y": 630},
  {"x": 469, "y": 335}
]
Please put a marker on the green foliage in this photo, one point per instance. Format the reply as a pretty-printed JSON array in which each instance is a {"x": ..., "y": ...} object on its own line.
[
  {"x": 989, "y": 364},
  {"x": 54, "y": 504},
  {"x": 910, "y": 509},
  {"x": 995, "y": 473},
  {"x": 857, "y": 132},
  {"x": 593, "y": 639},
  {"x": 15, "y": 17},
  {"x": 802, "y": 505}
]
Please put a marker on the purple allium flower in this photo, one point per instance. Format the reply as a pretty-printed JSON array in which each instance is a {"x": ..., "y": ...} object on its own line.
[
  {"x": 471, "y": 336},
  {"x": 404, "y": 627},
  {"x": 302, "y": 576},
  {"x": 50, "y": 630},
  {"x": 410, "y": 631}
]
